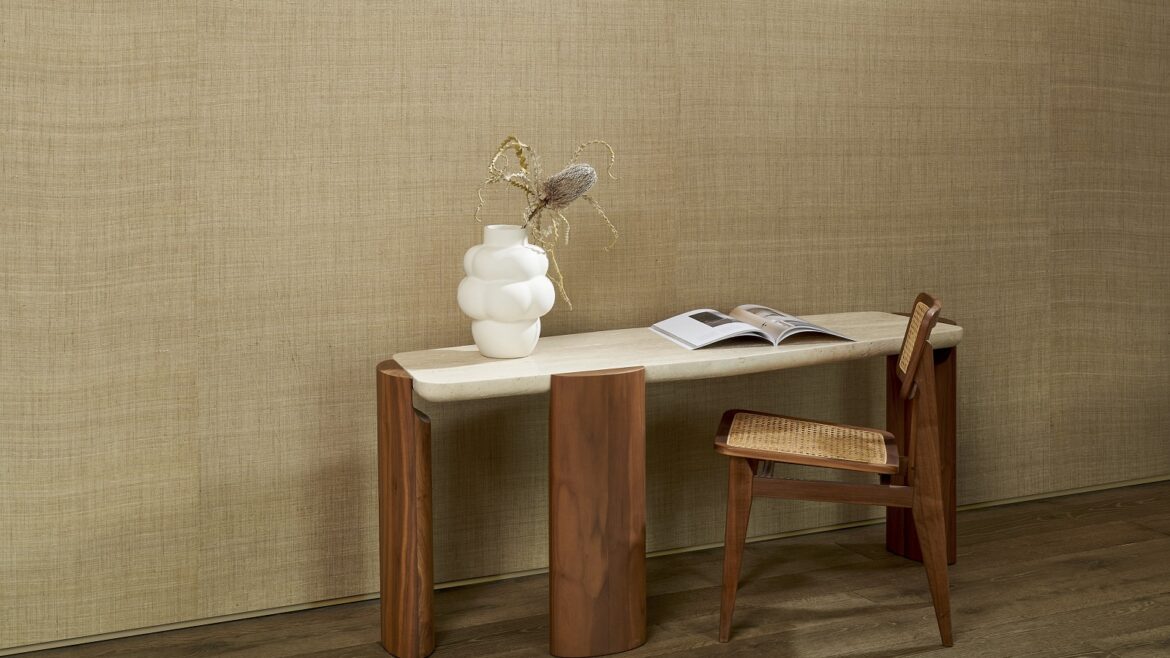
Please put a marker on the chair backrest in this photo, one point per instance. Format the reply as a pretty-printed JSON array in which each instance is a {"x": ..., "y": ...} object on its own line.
[{"x": 923, "y": 317}]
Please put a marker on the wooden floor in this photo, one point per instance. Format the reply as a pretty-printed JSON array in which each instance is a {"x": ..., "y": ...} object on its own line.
[{"x": 1084, "y": 575}]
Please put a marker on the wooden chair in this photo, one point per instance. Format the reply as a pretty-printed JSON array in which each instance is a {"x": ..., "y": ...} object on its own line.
[{"x": 753, "y": 439}]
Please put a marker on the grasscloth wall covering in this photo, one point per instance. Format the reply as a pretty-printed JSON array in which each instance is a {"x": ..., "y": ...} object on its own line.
[{"x": 219, "y": 216}]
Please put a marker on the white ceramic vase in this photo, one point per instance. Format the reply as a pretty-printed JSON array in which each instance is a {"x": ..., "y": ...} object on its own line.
[{"x": 505, "y": 292}]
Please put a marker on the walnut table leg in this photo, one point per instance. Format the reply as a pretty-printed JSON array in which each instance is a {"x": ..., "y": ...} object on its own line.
[
  {"x": 901, "y": 536},
  {"x": 597, "y": 512},
  {"x": 404, "y": 517}
]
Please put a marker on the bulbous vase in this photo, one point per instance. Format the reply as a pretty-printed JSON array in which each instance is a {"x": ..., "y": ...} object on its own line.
[{"x": 505, "y": 292}]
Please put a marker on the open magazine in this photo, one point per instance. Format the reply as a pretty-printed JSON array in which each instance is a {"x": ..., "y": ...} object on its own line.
[{"x": 704, "y": 326}]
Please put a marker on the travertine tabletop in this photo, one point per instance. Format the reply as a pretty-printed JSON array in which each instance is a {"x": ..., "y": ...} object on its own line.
[{"x": 461, "y": 373}]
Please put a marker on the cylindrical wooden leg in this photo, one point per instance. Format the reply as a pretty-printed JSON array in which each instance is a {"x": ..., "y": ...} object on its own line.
[
  {"x": 946, "y": 386},
  {"x": 597, "y": 512},
  {"x": 404, "y": 517},
  {"x": 901, "y": 535}
]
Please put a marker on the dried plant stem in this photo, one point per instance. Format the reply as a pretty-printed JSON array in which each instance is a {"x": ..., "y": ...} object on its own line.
[
  {"x": 583, "y": 145},
  {"x": 605, "y": 218}
]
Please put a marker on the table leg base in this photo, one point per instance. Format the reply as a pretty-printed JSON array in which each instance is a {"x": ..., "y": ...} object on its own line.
[
  {"x": 901, "y": 534},
  {"x": 597, "y": 512},
  {"x": 406, "y": 570}
]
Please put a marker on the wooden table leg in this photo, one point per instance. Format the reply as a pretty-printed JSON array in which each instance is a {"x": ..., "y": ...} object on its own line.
[
  {"x": 406, "y": 564},
  {"x": 901, "y": 537},
  {"x": 597, "y": 512}
]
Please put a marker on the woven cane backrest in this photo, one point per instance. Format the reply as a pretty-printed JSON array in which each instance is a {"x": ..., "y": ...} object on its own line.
[{"x": 923, "y": 317}]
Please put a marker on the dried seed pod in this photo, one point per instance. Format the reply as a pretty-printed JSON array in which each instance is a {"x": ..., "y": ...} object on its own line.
[{"x": 567, "y": 185}]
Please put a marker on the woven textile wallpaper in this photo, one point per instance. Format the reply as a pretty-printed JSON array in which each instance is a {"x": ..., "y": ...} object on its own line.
[{"x": 217, "y": 217}]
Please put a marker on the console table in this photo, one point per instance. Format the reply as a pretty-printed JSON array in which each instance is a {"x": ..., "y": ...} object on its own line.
[{"x": 597, "y": 528}]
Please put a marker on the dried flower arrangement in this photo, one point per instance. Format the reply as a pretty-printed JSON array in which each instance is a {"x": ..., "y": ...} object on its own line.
[{"x": 548, "y": 197}]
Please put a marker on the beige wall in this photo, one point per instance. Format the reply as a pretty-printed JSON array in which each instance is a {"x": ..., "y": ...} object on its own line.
[{"x": 218, "y": 217}]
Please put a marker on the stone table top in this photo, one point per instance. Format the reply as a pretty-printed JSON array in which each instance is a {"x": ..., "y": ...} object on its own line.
[{"x": 462, "y": 373}]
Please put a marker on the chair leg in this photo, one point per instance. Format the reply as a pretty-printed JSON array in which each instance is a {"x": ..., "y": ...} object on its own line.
[
  {"x": 932, "y": 537},
  {"x": 739, "y": 507}
]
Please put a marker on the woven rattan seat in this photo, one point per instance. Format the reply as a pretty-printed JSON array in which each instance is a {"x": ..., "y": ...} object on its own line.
[{"x": 806, "y": 437}]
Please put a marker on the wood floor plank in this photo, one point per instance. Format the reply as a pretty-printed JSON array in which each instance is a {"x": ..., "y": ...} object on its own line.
[
  {"x": 1157, "y": 523},
  {"x": 1085, "y": 575},
  {"x": 1134, "y": 504},
  {"x": 366, "y": 650},
  {"x": 1108, "y": 628}
]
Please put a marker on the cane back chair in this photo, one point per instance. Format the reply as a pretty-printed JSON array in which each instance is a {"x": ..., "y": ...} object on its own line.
[{"x": 753, "y": 440}]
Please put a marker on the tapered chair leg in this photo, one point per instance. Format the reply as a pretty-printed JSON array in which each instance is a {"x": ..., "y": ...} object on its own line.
[
  {"x": 739, "y": 507},
  {"x": 929, "y": 521}
]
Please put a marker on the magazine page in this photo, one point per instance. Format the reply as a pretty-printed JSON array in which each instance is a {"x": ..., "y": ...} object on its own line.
[
  {"x": 779, "y": 324},
  {"x": 701, "y": 327}
]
